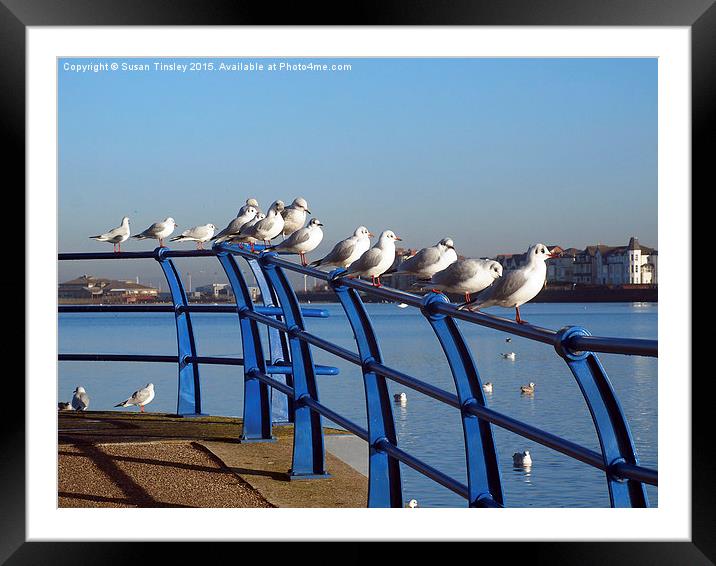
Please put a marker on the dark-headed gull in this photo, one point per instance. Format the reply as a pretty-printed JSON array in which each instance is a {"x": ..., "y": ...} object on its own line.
[
  {"x": 522, "y": 459},
  {"x": 529, "y": 389},
  {"x": 140, "y": 397},
  {"x": 116, "y": 235},
  {"x": 465, "y": 277},
  {"x": 158, "y": 231},
  {"x": 428, "y": 261},
  {"x": 235, "y": 226},
  {"x": 302, "y": 241},
  {"x": 294, "y": 216},
  {"x": 517, "y": 286},
  {"x": 347, "y": 251},
  {"x": 198, "y": 234},
  {"x": 377, "y": 260},
  {"x": 80, "y": 400}
]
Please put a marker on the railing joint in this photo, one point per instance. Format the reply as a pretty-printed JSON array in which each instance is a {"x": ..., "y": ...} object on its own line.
[
  {"x": 430, "y": 302},
  {"x": 562, "y": 339}
]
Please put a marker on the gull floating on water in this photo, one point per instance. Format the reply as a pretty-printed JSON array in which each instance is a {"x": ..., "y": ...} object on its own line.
[
  {"x": 428, "y": 261},
  {"x": 400, "y": 398},
  {"x": 345, "y": 252},
  {"x": 412, "y": 504},
  {"x": 80, "y": 399},
  {"x": 158, "y": 231},
  {"x": 302, "y": 241},
  {"x": 465, "y": 276},
  {"x": 294, "y": 216},
  {"x": 518, "y": 286},
  {"x": 522, "y": 459},
  {"x": 509, "y": 355},
  {"x": 198, "y": 234},
  {"x": 487, "y": 387},
  {"x": 376, "y": 260},
  {"x": 140, "y": 397},
  {"x": 528, "y": 388},
  {"x": 115, "y": 235},
  {"x": 234, "y": 227}
]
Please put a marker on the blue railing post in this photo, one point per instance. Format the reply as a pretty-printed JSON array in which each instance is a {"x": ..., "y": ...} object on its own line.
[
  {"x": 308, "y": 446},
  {"x": 281, "y": 404},
  {"x": 257, "y": 407},
  {"x": 483, "y": 473},
  {"x": 612, "y": 428},
  {"x": 189, "y": 390},
  {"x": 384, "y": 483}
]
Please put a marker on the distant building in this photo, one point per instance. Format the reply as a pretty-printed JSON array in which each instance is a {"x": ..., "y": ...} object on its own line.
[
  {"x": 106, "y": 290},
  {"x": 215, "y": 290}
]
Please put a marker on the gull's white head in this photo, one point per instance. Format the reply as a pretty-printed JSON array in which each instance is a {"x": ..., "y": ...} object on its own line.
[
  {"x": 259, "y": 216},
  {"x": 389, "y": 235},
  {"x": 362, "y": 232},
  {"x": 300, "y": 202},
  {"x": 314, "y": 223},
  {"x": 539, "y": 251},
  {"x": 278, "y": 206},
  {"x": 446, "y": 243},
  {"x": 252, "y": 202},
  {"x": 149, "y": 386},
  {"x": 80, "y": 389},
  {"x": 495, "y": 269},
  {"x": 250, "y": 211},
  {"x": 170, "y": 220},
  {"x": 413, "y": 503},
  {"x": 211, "y": 227},
  {"x": 125, "y": 220}
]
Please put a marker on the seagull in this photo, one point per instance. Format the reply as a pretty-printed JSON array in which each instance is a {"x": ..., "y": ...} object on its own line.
[
  {"x": 302, "y": 241},
  {"x": 428, "y": 261},
  {"x": 158, "y": 231},
  {"x": 518, "y": 286},
  {"x": 250, "y": 202},
  {"x": 522, "y": 459},
  {"x": 115, "y": 235},
  {"x": 268, "y": 228},
  {"x": 376, "y": 260},
  {"x": 80, "y": 400},
  {"x": 62, "y": 406},
  {"x": 140, "y": 397},
  {"x": 465, "y": 276},
  {"x": 234, "y": 227},
  {"x": 412, "y": 504},
  {"x": 345, "y": 252},
  {"x": 198, "y": 234},
  {"x": 294, "y": 216},
  {"x": 528, "y": 388},
  {"x": 243, "y": 236},
  {"x": 400, "y": 398},
  {"x": 487, "y": 387},
  {"x": 508, "y": 339},
  {"x": 509, "y": 355}
]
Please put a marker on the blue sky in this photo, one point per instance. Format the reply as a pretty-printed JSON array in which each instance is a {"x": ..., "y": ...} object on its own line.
[{"x": 495, "y": 153}]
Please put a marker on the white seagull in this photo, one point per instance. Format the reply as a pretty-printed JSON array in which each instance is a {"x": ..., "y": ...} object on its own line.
[
  {"x": 487, "y": 387},
  {"x": 428, "y": 261},
  {"x": 294, "y": 216},
  {"x": 302, "y": 241},
  {"x": 268, "y": 228},
  {"x": 62, "y": 406},
  {"x": 80, "y": 399},
  {"x": 518, "y": 286},
  {"x": 347, "y": 251},
  {"x": 234, "y": 227},
  {"x": 376, "y": 260},
  {"x": 465, "y": 277},
  {"x": 158, "y": 231},
  {"x": 243, "y": 236},
  {"x": 140, "y": 398},
  {"x": 198, "y": 234},
  {"x": 522, "y": 459},
  {"x": 412, "y": 504},
  {"x": 250, "y": 202},
  {"x": 115, "y": 235},
  {"x": 401, "y": 398},
  {"x": 509, "y": 355}
]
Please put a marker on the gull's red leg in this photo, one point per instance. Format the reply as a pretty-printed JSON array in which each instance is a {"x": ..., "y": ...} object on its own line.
[
  {"x": 378, "y": 280},
  {"x": 467, "y": 297},
  {"x": 518, "y": 319}
]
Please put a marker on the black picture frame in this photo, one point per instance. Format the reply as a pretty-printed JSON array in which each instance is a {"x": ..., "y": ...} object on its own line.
[{"x": 16, "y": 15}]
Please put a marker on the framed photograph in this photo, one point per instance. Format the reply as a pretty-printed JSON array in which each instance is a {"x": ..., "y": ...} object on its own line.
[{"x": 555, "y": 147}]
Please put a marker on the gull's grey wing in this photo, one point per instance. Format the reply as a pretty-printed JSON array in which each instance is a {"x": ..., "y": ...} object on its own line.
[
  {"x": 509, "y": 283},
  {"x": 420, "y": 261},
  {"x": 298, "y": 237},
  {"x": 369, "y": 259},
  {"x": 151, "y": 231},
  {"x": 341, "y": 251},
  {"x": 455, "y": 273},
  {"x": 139, "y": 396}
]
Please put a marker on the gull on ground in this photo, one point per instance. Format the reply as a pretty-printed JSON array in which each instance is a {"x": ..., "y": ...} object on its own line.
[
  {"x": 140, "y": 397},
  {"x": 115, "y": 235},
  {"x": 517, "y": 286},
  {"x": 80, "y": 399},
  {"x": 345, "y": 252},
  {"x": 158, "y": 231}
]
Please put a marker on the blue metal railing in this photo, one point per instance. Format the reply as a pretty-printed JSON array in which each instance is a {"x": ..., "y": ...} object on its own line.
[{"x": 285, "y": 385}]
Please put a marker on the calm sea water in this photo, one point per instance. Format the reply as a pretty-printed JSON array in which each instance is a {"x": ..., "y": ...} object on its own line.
[{"x": 425, "y": 427}]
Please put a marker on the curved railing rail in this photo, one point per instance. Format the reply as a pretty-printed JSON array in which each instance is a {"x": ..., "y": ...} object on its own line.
[{"x": 284, "y": 387}]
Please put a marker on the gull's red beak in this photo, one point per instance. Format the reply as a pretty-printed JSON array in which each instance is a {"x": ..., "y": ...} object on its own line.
[
  {"x": 399, "y": 239},
  {"x": 371, "y": 235}
]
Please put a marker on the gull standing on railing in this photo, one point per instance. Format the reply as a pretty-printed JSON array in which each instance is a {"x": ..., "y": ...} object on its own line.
[
  {"x": 243, "y": 237},
  {"x": 428, "y": 261},
  {"x": 268, "y": 228},
  {"x": 376, "y": 260},
  {"x": 158, "y": 231},
  {"x": 302, "y": 241},
  {"x": 116, "y": 235},
  {"x": 465, "y": 276},
  {"x": 518, "y": 286},
  {"x": 198, "y": 234},
  {"x": 294, "y": 216},
  {"x": 347, "y": 251},
  {"x": 250, "y": 202},
  {"x": 246, "y": 215}
]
